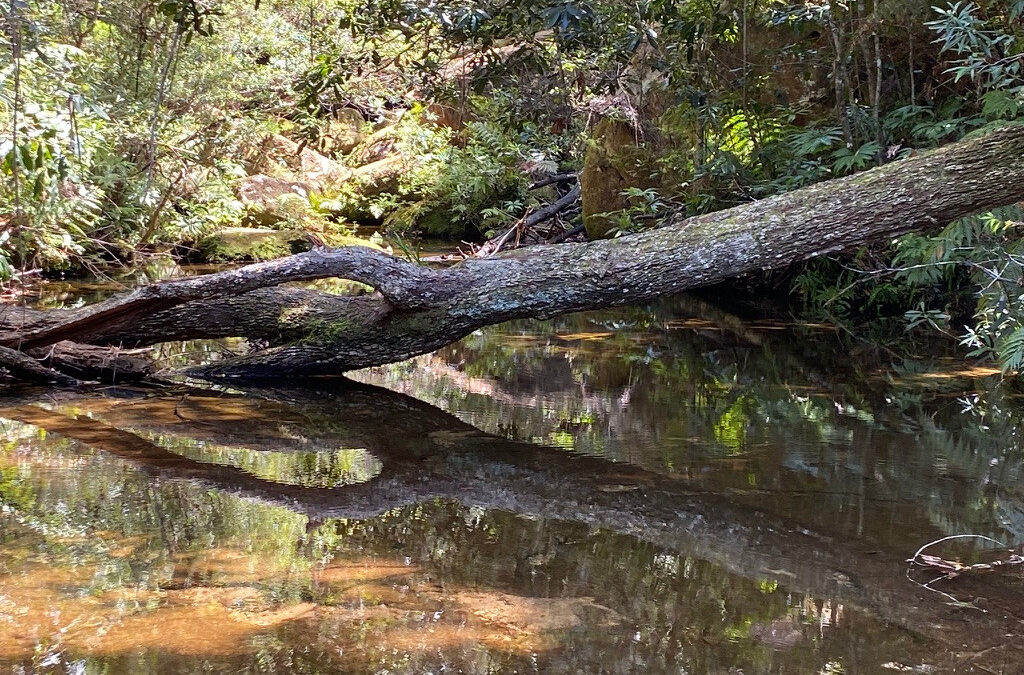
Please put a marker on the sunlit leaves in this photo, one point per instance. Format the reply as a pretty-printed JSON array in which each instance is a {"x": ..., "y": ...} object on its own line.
[
  {"x": 813, "y": 140},
  {"x": 984, "y": 53}
]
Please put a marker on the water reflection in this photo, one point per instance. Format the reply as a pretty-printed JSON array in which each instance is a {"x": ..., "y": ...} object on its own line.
[
  {"x": 648, "y": 490},
  {"x": 323, "y": 468},
  {"x": 104, "y": 568},
  {"x": 775, "y": 415}
]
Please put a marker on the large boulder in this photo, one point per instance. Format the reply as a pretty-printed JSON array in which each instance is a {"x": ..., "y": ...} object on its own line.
[
  {"x": 380, "y": 145},
  {"x": 379, "y": 177},
  {"x": 278, "y": 149},
  {"x": 269, "y": 201},
  {"x": 293, "y": 173},
  {"x": 286, "y": 159},
  {"x": 320, "y": 171},
  {"x": 344, "y": 132}
]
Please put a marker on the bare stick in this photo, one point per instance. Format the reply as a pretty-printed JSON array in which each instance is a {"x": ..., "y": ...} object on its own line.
[
  {"x": 913, "y": 559},
  {"x": 552, "y": 179}
]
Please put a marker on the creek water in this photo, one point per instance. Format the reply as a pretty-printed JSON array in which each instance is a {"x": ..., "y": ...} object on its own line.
[{"x": 662, "y": 489}]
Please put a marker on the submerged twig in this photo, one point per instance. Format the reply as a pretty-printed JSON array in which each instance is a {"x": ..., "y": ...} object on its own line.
[
  {"x": 934, "y": 561},
  {"x": 951, "y": 569}
]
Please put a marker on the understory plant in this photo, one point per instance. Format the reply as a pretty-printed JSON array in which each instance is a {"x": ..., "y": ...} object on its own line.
[{"x": 966, "y": 280}]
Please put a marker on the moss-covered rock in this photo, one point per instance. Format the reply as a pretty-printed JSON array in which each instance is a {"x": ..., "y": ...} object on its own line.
[
  {"x": 233, "y": 244},
  {"x": 269, "y": 201},
  {"x": 253, "y": 244}
]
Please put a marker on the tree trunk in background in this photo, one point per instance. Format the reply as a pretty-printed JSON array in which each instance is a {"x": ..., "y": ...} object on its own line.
[{"x": 417, "y": 310}]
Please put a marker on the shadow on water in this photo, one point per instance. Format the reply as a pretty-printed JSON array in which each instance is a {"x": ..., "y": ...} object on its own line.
[{"x": 664, "y": 489}]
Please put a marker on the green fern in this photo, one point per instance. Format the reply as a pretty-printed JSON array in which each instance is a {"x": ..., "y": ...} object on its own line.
[
  {"x": 846, "y": 160},
  {"x": 1011, "y": 351},
  {"x": 814, "y": 140}
]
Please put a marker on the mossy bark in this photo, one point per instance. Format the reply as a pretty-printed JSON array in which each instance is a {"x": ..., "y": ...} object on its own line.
[{"x": 615, "y": 161}]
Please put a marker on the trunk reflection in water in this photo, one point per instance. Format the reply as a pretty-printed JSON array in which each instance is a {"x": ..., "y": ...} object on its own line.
[{"x": 647, "y": 490}]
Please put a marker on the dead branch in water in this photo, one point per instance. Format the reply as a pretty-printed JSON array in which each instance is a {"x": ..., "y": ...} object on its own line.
[
  {"x": 951, "y": 569},
  {"x": 527, "y": 222}
]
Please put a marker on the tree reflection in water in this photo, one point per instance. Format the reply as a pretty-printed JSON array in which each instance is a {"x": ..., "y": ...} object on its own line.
[{"x": 154, "y": 532}]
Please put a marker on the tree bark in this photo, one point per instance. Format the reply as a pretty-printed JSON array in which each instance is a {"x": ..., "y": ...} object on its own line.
[{"x": 416, "y": 309}]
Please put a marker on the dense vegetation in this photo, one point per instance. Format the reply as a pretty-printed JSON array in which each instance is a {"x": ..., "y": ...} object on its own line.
[{"x": 131, "y": 127}]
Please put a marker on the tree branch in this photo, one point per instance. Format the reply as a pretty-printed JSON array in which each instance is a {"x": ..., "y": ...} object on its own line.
[
  {"x": 403, "y": 285},
  {"x": 28, "y": 369},
  {"x": 552, "y": 179}
]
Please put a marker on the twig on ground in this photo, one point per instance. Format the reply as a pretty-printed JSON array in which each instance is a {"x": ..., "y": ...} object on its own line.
[
  {"x": 552, "y": 179},
  {"x": 529, "y": 221}
]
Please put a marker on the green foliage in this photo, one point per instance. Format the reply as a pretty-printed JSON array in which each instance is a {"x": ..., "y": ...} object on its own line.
[
  {"x": 214, "y": 205},
  {"x": 965, "y": 280},
  {"x": 848, "y": 161},
  {"x": 475, "y": 185},
  {"x": 813, "y": 140},
  {"x": 985, "y": 52},
  {"x": 644, "y": 207},
  {"x": 50, "y": 159}
]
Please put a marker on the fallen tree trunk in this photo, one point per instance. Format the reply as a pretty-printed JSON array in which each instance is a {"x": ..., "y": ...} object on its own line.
[{"x": 417, "y": 309}]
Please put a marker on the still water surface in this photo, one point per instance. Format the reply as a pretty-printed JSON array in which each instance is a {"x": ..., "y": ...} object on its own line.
[{"x": 664, "y": 489}]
